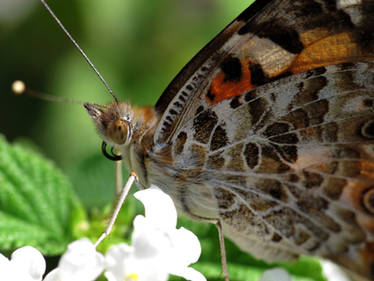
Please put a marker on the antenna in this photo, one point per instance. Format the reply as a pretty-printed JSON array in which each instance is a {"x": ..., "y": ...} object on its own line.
[
  {"x": 80, "y": 50},
  {"x": 18, "y": 87}
]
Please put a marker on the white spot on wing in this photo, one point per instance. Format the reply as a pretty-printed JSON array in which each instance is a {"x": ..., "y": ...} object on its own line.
[
  {"x": 342, "y": 4},
  {"x": 311, "y": 155},
  {"x": 352, "y": 8},
  {"x": 272, "y": 57}
]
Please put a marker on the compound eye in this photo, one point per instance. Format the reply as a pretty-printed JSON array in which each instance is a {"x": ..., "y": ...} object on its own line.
[{"x": 117, "y": 131}]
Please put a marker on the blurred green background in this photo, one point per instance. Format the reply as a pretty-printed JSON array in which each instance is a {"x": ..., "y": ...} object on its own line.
[{"x": 137, "y": 45}]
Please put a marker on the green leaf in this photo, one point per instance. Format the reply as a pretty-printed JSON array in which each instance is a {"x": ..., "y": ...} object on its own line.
[{"x": 37, "y": 204}]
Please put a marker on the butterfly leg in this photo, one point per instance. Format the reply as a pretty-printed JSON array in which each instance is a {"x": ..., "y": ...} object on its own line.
[
  {"x": 120, "y": 201},
  {"x": 218, "y": 224},
  {"x": 223, "y": 250}
]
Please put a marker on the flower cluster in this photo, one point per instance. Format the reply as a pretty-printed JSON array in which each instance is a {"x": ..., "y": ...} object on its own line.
[{"x": 158, "y": 249}]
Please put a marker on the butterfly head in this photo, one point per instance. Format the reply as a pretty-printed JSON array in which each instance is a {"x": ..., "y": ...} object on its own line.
[{"x": 114, "y": 122}]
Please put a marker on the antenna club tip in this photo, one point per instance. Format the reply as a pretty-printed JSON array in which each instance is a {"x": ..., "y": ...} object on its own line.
[{"x": 18, "y": 87}]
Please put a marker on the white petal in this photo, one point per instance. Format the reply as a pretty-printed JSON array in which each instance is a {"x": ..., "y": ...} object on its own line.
[
  {"x": 148, "y": 240},
  {"x": 139, "y": 272},
  {"x": 115, "y": 261},
  {"x": 189, "y": 273},
  {"x": 275, "y": 274},
  {"x": 145, "y": 275},
  {"x": 152, "y": 273},
  {"x": 30, "y": 261},
  {"x": 9, "y": 271},
  {"x": 186, "y": 249},
  {"x": 5, "y": 268},
  {"x": 110, "y": 276},
  {"x": 53, "y": 275},
  {"x": 159, "y": 207},
  {"x": 121, "y": 264},
  {"x": 81, "y": 262},
  {"x": 3, "y": 261},
  {"x": 333, "y": 272}
]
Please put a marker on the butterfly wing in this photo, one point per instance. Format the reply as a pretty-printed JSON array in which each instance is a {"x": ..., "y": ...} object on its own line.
[
  {"x": 269, "y": 40},
  {"x": 291, "y": 165},
  {"x": 275, "y": 118}
]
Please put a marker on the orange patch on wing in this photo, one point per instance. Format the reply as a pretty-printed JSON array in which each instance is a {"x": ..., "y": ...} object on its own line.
[
  {"x": 314, "y": 35},
  {"x": 352, "y": 193},
  {"x": 367, "y": 169},
  {"x": 320, "y": 49},
  {"x": 222, "y": 88},
  {"x": 333, "y": 49}
]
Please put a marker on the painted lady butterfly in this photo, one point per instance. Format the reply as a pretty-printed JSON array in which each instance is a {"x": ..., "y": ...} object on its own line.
[{"x": 269, "y": 130}]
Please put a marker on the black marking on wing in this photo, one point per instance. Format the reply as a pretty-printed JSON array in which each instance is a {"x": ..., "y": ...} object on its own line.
[
  {"x": 259, "y": 78},
  {"x": 367, "y": 129},
  {"x": 210, "y": 96},
  {"x": 366, "y": 26},
  {"x": 284, "y": 36},
  {"x": 203, "y": 125},
  {"x": 257, "y": 74},
  {"x": 232, "y": 68},
  {"x": 235, "y": 102},
  {"x": 219, "y": 139}
]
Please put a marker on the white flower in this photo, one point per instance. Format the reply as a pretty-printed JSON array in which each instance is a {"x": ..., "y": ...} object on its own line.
[
  {"x": 26, "y": 264},
  {"x": 333, "y": 272},
  {"x": 81, "y": 262},
  {"x": 158, "y": 249},
  {"x": 275, "y": 274}
]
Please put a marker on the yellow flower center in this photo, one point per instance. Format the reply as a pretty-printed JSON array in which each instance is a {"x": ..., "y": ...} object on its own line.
[{"x": 132, "y": 277}]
